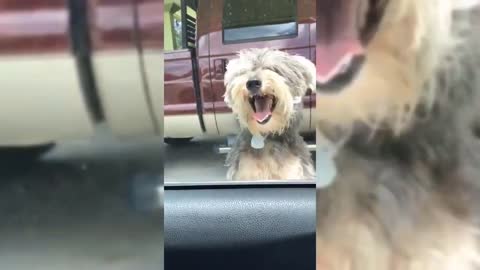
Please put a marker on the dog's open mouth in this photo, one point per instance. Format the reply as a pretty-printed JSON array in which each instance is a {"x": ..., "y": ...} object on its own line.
[
  {"x": 263, "y": 106},
  {"x": 344, "y": 29}
]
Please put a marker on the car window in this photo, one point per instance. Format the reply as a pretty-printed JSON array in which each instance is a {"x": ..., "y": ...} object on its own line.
[
  {"x": 178, "y": 26},
  {"x": 249, "y": 20},
  {"x": 198, "y": 155}
]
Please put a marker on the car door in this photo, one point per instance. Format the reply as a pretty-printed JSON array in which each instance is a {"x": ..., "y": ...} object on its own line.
[
  {"x": 118, "y": 70},
  {"x": 150, "y": 35},
  {"x": 41, "y": 93},
  {"x": 286, "y": 29},
  {"x": 188, "y": 110}
]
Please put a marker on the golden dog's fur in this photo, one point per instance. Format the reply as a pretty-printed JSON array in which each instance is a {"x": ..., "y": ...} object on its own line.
[
  {"x": 413, "y": 40},
  {"x": 407, "y": 193},
  {"x": 250, "y": 168}
]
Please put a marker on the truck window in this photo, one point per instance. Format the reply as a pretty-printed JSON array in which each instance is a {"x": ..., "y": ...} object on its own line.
[
  {"x": 250, "y": 20},
  {"x": 174, "y": 36}
]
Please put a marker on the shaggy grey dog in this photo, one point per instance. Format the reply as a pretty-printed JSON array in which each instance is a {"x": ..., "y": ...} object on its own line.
[
  {"x": 406, "y": 195},
  {"x": 264, "y": 88}
]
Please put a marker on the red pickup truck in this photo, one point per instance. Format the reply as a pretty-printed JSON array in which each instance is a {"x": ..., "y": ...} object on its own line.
[
  {"x": 202, "y": 35},
  {"x": 68, "y": 65}
]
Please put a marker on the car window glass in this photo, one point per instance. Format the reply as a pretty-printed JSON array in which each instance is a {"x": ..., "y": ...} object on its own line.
[
  {"x": 249, "y": 20},
  {"x": 174, "y": 33},
  {"x": 197, "y": 156}
]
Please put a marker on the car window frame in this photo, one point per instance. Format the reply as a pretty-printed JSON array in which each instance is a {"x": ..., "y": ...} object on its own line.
[{"x": 295, "y": 20}]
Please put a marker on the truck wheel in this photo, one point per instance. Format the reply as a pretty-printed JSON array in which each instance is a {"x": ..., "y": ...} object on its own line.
[
  {"x": 12, "y": 154},
  {"x": 177, "y": 141}
]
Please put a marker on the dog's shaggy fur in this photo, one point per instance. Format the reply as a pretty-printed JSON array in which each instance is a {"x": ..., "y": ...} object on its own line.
[
  {"x": 284, "y": 77},
  {"x": 407, "y": 193}
]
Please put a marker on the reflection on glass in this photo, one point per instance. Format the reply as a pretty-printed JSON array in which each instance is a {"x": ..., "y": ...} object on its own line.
[{"x": 259, "y": 32}]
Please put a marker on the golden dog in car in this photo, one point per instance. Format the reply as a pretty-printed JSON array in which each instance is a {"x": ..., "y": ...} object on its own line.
[{"x": 264, "y": 88}]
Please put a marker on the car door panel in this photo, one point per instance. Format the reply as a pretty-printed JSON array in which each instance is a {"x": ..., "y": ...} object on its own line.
[
  {"x": 150, "y": 35},
  {"x": 117, "y": 67},
  {"x": 240, "y": 227},
  {"x": 41, "y": 93}
]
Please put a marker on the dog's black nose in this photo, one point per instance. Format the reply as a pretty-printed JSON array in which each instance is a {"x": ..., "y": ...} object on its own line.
[{"x": 254, "y": 85}]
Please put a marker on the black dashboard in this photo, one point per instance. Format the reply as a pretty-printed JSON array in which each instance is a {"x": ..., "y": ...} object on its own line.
[{"x": 240, "y": 226}]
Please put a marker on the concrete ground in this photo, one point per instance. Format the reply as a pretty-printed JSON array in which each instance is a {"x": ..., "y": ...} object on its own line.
[
  {"x": 195, "y": 161},
  {"x": 77, "y": 207}
]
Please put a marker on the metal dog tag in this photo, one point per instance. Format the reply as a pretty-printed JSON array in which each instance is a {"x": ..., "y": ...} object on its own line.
[
  {"x": 258, "y": 141},
  {"x": 326, "y": 168}
]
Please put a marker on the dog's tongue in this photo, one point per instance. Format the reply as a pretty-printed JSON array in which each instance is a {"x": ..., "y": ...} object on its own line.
[
  {"x": 263, "y": 108},
  {"x": 338, "y": 40}
]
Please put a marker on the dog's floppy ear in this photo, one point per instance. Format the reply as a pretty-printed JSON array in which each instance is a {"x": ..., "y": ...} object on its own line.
[
  {"x": 228, "y": 80},
  {"x": 308, "y": 71},
  {"x": 229, "y": 70}
]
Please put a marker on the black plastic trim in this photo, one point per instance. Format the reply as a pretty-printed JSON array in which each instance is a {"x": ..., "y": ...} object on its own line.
[
  {"x": 79, "y": 28},
  {"x": 246, "y": 227},
  {"x": 196, "y": 88},
  {"x": 189, "y": 42}
]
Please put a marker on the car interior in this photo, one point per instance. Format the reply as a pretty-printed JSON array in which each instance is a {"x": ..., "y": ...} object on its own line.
[
  {"x": 251, "y": 225},
  {"x": 210, "y": 223}
]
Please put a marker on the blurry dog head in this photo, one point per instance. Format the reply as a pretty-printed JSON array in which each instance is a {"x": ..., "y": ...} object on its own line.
[
  {"x": 263, "y": 85},
  {"x": 375, "y": 59}
]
